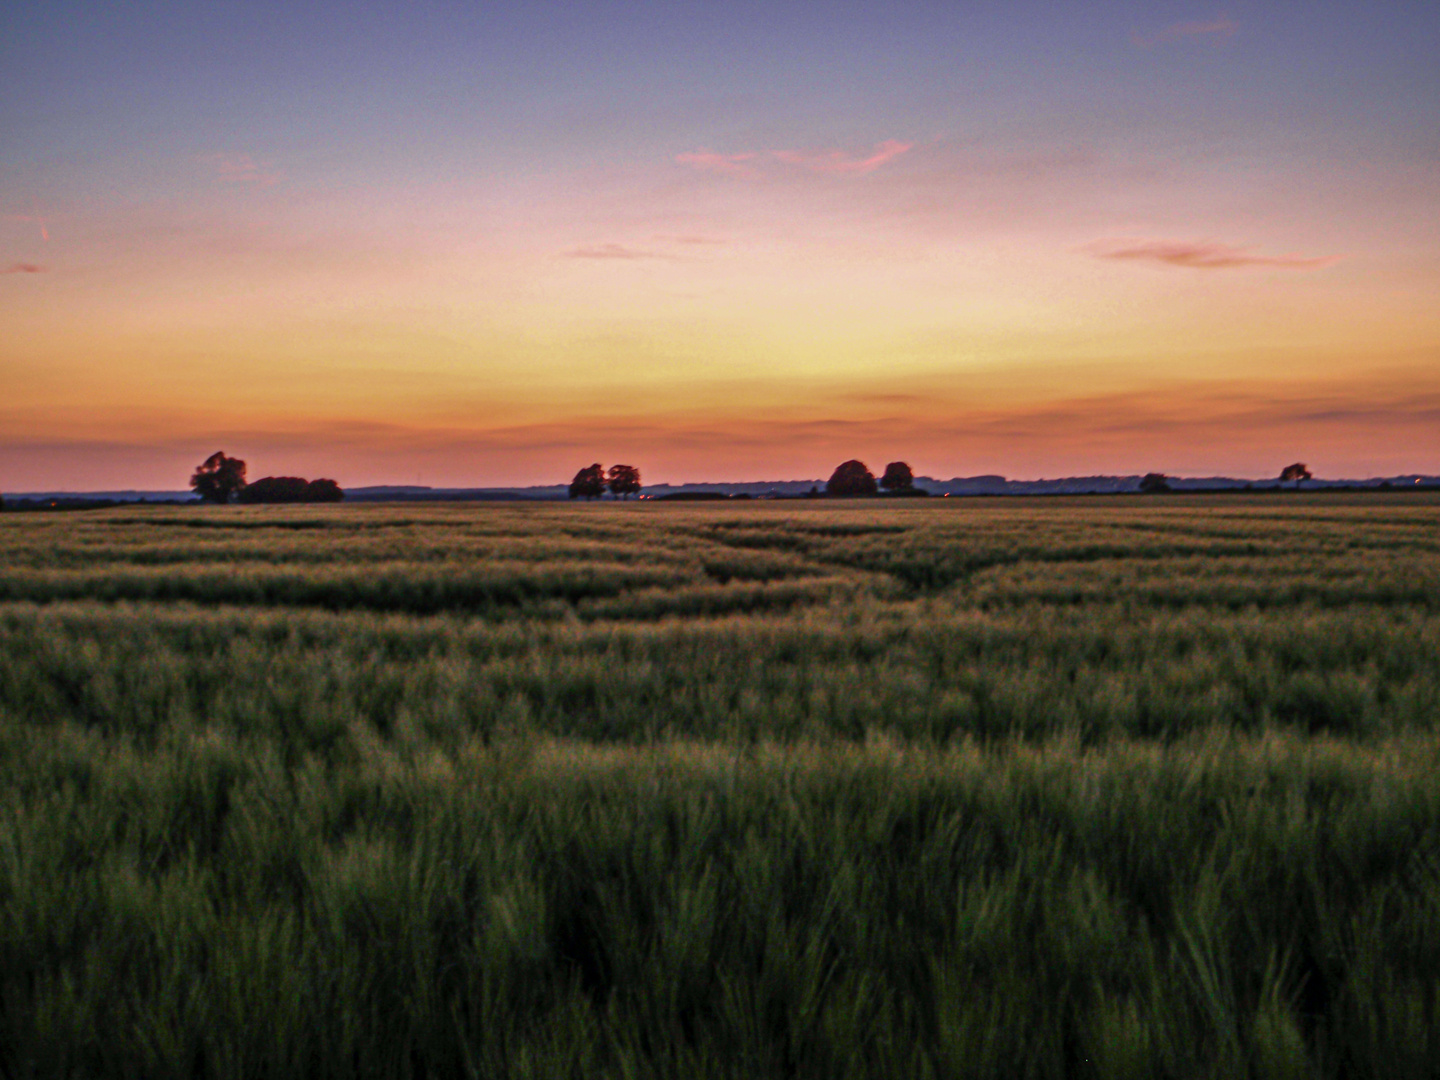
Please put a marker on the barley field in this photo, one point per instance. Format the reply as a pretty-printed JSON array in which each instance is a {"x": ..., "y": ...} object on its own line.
[{"x": 1101, "y": 788}]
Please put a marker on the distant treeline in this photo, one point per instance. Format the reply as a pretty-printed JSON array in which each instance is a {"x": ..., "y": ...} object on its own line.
[
  {"x": 849, "y": 479},
  {"x": 220, "y": 478},
  {"x": 853, "y": 479}
]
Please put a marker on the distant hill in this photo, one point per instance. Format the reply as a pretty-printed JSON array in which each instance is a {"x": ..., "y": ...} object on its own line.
[
  {"x": 129, "y": 495},
  {"x": 989, "y": 485}
]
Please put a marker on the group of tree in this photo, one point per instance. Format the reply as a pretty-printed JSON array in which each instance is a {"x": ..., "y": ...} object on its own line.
[
  {"x": 849, "y": 479},
  {"x": 290, "y": 489},
  {"x": 219, "y": 479},
  {"x": 852, "y": 478},
  {"x": 593, "y": 481},
  {"x": 1157, "y": 483}
]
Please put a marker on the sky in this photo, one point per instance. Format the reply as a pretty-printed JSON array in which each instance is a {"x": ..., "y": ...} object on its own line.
[{"x": 480, "y": 244}]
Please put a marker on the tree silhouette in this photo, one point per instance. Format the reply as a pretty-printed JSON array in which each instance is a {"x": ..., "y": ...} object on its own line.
[
  {"x": 324, "y": 491},
  {"x": 898, "y": 477},
  {"x": 218, "y": 478},
  {"x": 623, "y": 480},
  {"x": 1154, "y": 483},
  {"x": 589, "y": 483},
  {"x": 851, "y": 478},
  {"x": 290, "y": 489},
  {"x": 274, "y": 489},
  {"x": 1297, "y": 472}
]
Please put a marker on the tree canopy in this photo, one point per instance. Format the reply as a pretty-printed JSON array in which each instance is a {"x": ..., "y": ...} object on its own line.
[
  {"x": 898, "y": 477},
  {"x": 589, "y": 483},
  {"x": 324, "y": 490},
  {"x": 291, "y": 489},
  {"x": 1154, "y": 483},
  {"x": 1296, "y": 472},
  {"x": 219, "y": 478},
  {"x": 623, "y": 480},
  {"x": 851, "y": 478}
]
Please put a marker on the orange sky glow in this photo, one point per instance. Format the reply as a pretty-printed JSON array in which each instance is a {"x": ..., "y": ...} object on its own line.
[{"x": 712, "y": 293}]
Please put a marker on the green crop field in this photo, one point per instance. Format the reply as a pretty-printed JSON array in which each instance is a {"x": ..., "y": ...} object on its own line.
[{"x": 1121, "y": 787}]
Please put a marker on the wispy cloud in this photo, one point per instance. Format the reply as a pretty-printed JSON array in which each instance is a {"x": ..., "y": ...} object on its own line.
[
  {"x": 36, "y": 217},
  {"x": 835, "y": 162},
  {"x": 1202, "y": 255},
  {"x": 839, "y": 162},
  {"x": 610, "y": 251},
  {"x": 24, "y": 268},
  {"x": 241, "y": 169},
  {"x": 709, "y": 161},
  {"x": 1223, "y": 27}
]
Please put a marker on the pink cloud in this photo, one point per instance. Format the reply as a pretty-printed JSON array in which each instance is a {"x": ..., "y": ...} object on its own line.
[
  {"x": 36, "y": 217},
  {"x": 1223, "y": 27},
  {"x": 24, "y": 268},
  {"x": 837, "y": 161},
  {"x": 241, "y": 169},
  {"x": 709, "y": 161},
  {"x": 1202, "y": 255}
]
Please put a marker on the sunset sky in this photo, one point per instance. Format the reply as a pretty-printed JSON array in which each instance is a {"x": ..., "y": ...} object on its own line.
[{"x": 486, "y": 244}]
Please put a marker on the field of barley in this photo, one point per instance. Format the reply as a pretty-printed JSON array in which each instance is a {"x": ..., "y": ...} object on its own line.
[{"x": 1121, "y": 787}]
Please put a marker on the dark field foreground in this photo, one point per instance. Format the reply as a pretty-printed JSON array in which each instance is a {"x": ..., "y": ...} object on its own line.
[{"x": 1092, "y": 788}]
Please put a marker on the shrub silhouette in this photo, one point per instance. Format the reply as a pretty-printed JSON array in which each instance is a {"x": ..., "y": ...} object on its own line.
[
  {"x": 589, "y": 483},
  {"x": 623, "y": 481},
  {"x": 1154, "y": 483},
  {"x": 851, "y": 478},
  {"x": 218, "y": 478}
]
